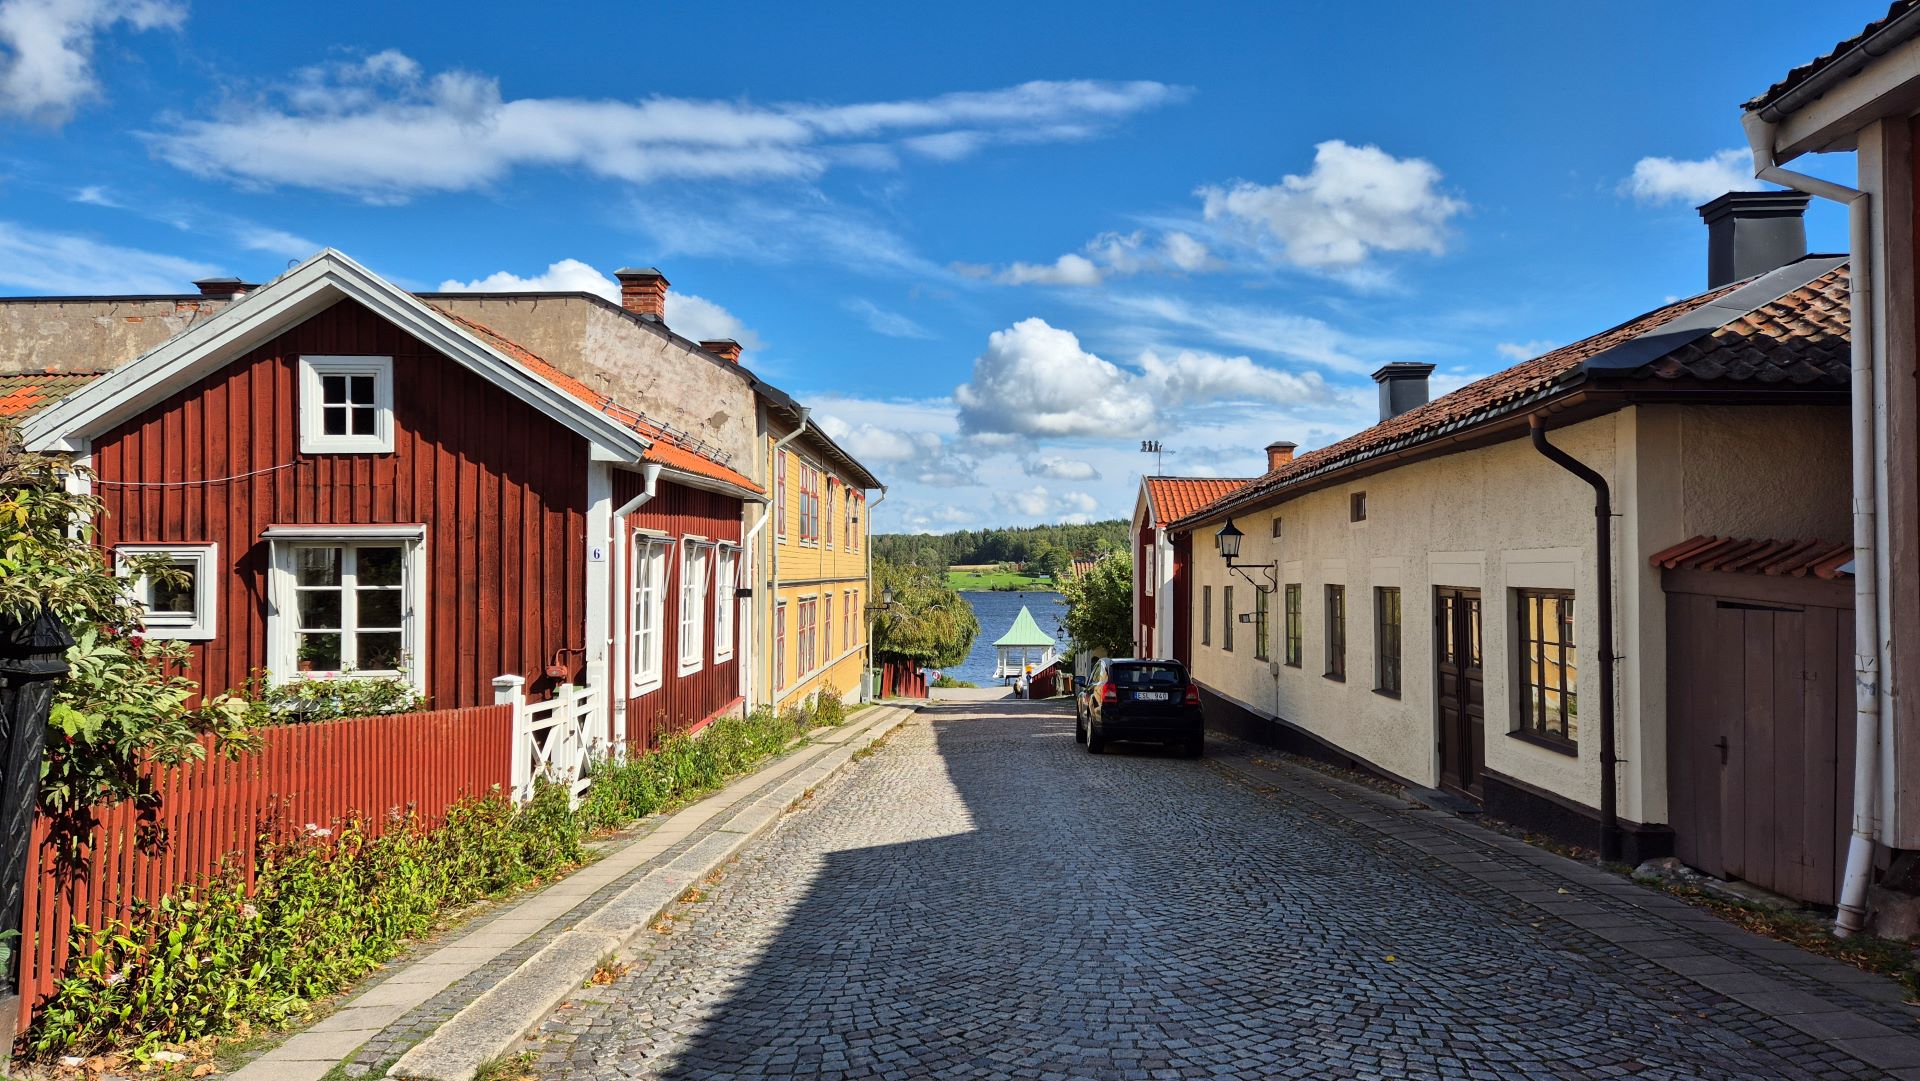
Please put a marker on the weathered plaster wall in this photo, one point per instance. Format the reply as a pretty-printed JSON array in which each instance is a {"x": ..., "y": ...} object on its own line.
[
  {"x": 1740, "y": 463},
  {"x": 639, "y": 365},
  {"x": 67, "y": 334}
]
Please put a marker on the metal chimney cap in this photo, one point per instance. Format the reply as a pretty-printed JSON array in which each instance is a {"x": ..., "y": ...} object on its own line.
[
  {"x": 1777, "y": 203},
  {"x": 1402, "y": 370}
]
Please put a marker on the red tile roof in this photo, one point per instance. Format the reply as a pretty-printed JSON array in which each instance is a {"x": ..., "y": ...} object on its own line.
[
  {"x": 1820, "y": 63},
  {"x": 1799, "y": 338},
  {"x": 1735, "y": 555},
  {"x": 1176, "y": 497},
  {"x": 23, "y": 394},
  {"x": 672, "y": 449}
]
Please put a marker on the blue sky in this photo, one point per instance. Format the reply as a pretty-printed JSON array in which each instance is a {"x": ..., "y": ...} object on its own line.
[{"x": 995, "y": 245}]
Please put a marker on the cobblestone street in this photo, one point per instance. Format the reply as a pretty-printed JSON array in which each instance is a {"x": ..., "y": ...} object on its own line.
[{"x": 981, "y": 898}]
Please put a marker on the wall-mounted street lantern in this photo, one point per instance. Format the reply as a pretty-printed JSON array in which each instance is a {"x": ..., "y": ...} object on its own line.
[{"x": 1228, "y": 541}]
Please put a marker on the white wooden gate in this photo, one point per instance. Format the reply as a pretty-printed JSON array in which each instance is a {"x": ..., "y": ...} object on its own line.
[{"x": 556, "y": 738}]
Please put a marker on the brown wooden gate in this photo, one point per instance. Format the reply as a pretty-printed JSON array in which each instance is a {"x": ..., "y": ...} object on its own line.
[
  {"x": 1759, "y": 728},
  {"x": 1461, "y": 697}
]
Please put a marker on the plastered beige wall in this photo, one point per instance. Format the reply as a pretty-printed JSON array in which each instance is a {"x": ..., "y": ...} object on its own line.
[
  {"x": 84, "y": 335},
  {"x": 1498, "y": 518}
]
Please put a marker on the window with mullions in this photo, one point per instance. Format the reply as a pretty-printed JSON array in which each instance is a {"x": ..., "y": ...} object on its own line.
[
  {"x": 346, "y": 405},
  {"x": 350, "y": 609},
  {"x": 1548, "y": 667},
  {"x": 1386, "y": 640},
  {"x": 1336, "y": 632},
  {"x": 1292, "y": 616},
  {"x": 1206, "y": 615},
  {"x": 1226, "y": 622},
  {"x": 1260, "y": 650}
]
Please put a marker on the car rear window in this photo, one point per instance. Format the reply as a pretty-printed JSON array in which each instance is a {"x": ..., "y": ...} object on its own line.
[{"x": 1147, "y": 675}]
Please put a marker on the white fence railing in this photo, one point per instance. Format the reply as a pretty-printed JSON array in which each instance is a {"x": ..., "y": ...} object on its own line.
[{"x": 554, "y": 739}]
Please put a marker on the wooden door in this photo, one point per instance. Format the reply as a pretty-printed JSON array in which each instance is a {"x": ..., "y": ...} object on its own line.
[
  {"x": 1759, "y": 741},
  {"x": 1462, "y": 693}
]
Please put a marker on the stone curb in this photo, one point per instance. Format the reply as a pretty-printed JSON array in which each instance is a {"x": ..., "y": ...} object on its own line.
[{"x": 496, "y": 1022}]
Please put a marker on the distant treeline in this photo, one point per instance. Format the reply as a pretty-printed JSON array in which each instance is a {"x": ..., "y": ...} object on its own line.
[{"x": 1022, "y": 544}]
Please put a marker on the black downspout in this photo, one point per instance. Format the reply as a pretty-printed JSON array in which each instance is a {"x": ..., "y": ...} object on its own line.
[{"x": 1603, "y": 540}]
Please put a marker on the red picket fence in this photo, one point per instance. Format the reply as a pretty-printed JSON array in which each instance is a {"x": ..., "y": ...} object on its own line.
[
  {"x": 215, "y": 809},
  {"x": 898, "y": 680}
]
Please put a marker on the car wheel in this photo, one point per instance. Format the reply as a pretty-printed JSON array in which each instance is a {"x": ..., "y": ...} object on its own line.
[
  {"x": 1194, "y": 746},
  {"x": 1096, "y": 744}
]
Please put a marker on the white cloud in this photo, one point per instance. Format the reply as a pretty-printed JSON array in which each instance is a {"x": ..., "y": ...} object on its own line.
[
  {"x": 688, "y": 314},
  {"x": 1524, "y": 351},
  {"x": 1108, "y": 255},
  {"x": 46, "y": 49},
  {"x": 882, "y": 321},
  {"x": 1062, "y": 469},
  {"x": 57, "y": 263},
  {"x": 273, "y": 241},
  {"x": 96, "y": 195},
  {"x": 383, "y": 129},
  {"x": 1356, "y": 201},
  {"x": 1034, "y": 379},
  {"x": 781, "y": 231},
  {"x": 1195, "y": 377},
  {"x": 1665, "y": 180}
]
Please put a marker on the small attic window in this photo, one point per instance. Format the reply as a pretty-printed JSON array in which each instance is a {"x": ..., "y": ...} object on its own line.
[
  {"x": 1276, "y": 528},
  {"x": 346, "y": 405},
  {"x": 1357, "y": 507}
]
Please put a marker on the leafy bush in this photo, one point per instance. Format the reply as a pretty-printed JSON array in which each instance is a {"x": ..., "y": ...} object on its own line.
[
  {"x": 949, "y": 681},
  {"x": 626, "y": 787},
  {"x": 305, "y": 700},
  {"x": 826, "y": 707},
  {"x": 328, "y": 907}
]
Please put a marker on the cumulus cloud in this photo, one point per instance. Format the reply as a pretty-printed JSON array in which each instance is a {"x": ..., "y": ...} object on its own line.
[
  {"x": 688, "y": 314},
  {"x": 58, "y": 263},
  {"x": 1666, "y": 180},
  {"x": 884, "y": 434},
  {"x": 1037, "y": 502},
  {"x": 46, "y": 50},
  {"x": 384, "y": 129},
  {"x": 1109, "y": 255},
  {"x": 882, "y": 321},
  {"x": 1035, "y": 379},
  {"x": 1523, "y": 351},
  {"x": 1193, "y": 377},
  {"x": 1062, "y": 469},
  {"x": 1357, "y": 200}
]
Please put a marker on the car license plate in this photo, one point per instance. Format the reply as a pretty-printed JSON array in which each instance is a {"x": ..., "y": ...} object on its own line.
[{"x": 1151, "y": 696}]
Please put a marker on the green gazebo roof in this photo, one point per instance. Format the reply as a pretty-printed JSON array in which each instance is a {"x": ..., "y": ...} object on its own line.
[{"x": 1025, "y": 632}]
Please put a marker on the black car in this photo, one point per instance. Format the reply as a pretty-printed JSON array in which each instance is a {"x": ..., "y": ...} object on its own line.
[{"x": 1129, "y": 699}]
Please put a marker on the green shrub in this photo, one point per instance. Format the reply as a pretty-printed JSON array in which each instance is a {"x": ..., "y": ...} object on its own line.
[
  {"x": 949, "y": 681},
  {"x": 303, "y": 701},
  {"x": 827, "y": 707},
  {"x": 328, "y": 907},
  {"x": 628, "y": 787}
]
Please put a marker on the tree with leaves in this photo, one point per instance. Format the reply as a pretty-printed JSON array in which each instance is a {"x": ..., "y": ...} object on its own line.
[
  {"x": 928, "y": 625},
  {"x": 1100, "y": 607}
]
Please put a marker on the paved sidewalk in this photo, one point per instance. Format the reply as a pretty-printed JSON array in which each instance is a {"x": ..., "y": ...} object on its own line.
[{"x": 527, "y": 940}]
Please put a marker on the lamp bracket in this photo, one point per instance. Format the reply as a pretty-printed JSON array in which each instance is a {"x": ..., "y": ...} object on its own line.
[{"x": 1266, "y": 569}]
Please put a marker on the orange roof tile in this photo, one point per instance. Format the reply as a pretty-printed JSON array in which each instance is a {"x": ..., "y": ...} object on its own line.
[
  {"x": 1799, "y": 338},
  {"x": 1735, "y": 555},
  {"x": 1176, "y": 497},
  {"x": 24, "y": 393},
  {"x": 671, "y": 449}
]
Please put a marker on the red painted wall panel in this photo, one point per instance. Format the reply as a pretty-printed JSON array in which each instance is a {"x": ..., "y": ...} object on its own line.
[
  {"x": 680, "y": 701},
  {"x": 500, "y": 487}
]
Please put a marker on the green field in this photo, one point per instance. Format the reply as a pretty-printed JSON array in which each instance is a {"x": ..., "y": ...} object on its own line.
[{"x": 1003, "y": 580}]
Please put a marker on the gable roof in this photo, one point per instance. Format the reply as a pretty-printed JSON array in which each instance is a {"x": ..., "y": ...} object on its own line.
[
  {"x": 1840, "y": 61},
  {"x": 1785, "y": 327},
  {"x": 285, "y": 302},
  {"x": 1025, "y": 632},
  {"x": 23, "y": 394},
  {"x": 684, "y": 457},
  {"x": 1173, "y": 498}
]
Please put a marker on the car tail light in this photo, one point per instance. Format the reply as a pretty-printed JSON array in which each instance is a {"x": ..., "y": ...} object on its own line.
[
  {"x": 1109, "y": 693},
  {"x": 1193, "y": 695}
]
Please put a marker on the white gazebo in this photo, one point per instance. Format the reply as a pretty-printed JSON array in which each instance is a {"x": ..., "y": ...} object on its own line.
[{"x": 1025, "y": 647}]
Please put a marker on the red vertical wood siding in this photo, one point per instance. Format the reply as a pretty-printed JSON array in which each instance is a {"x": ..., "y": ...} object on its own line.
[
  {"x": 500, "y": 487},
  {"x": 1183, "y": 598},
  {"x": 680, "y": 702},
  {"x": 1142, "y": 569},
  {"x": 212, "y": 811}
]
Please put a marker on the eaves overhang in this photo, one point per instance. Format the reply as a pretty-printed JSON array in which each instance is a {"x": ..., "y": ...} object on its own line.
[{"x": 1822, "y": 105}]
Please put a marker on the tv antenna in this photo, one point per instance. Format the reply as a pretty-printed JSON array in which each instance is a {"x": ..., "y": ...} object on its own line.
[{"x": 1152, "y": 446}]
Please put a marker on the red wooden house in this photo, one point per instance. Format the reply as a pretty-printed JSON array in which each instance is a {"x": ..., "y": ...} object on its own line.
[{"x": 359, "y": 482}]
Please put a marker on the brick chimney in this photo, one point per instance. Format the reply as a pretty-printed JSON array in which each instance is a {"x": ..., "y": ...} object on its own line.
[
  {"x": 224, "y": 288},
  {"x": 1279, "y": 453},
  {"x": 725, "y": 348},
  {"x": 643, "y": 291}
]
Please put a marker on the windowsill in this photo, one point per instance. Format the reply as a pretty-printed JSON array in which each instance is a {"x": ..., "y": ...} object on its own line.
[
  {"x": 1337, "y": 677},
  {"x": 646, "y": 687},
  {"x": 1384, "y": 693},
  {"x": 1558, "y": 746},
  {"x": 1290, "y": 664}
]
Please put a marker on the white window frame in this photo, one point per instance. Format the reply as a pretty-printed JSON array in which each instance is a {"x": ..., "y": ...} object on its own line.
[
  {"x": 204, "y": 560},
  {"x": 827, "y": 615},
  {"x": 696, "y": 562},
  {"x": 313, "y": 436},
  {"x": 646, "y": 610},
  {"x": 283, "y": 619},
  {"x": 780, "y": 644},
  {"x": 726, "y": 569},
  {"x": 780, "y": 495},
  {"x": 827, "y": 529}
]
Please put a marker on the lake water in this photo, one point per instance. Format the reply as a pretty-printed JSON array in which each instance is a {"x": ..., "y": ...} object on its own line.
[{"x": 996, "y": 612}]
